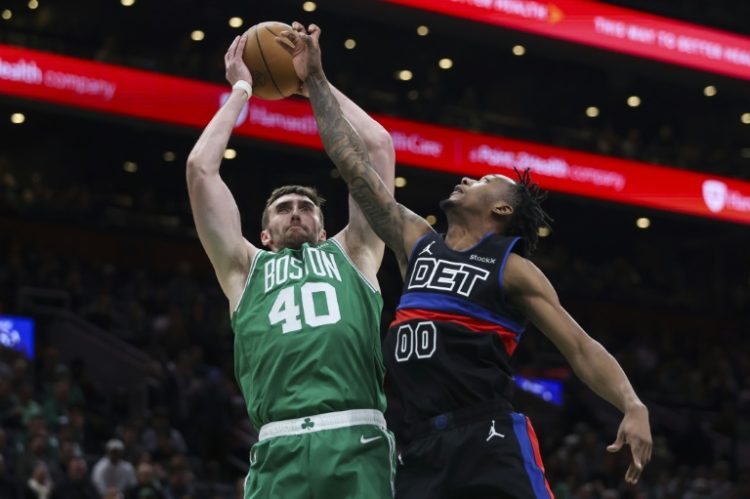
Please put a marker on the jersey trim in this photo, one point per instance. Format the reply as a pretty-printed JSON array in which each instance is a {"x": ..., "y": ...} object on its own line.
[
  {"x": 450, "y": 304},
  {"x": 247, "y": 281},
  {"x": 505, "y": 260},
  {"x": 348, "y": 259}
]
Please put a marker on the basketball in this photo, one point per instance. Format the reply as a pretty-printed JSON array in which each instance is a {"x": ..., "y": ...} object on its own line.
[{"x": 270, "y": 65}]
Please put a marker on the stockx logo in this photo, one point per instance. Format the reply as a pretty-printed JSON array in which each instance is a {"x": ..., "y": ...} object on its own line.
[{"x": 715, "y": 195}]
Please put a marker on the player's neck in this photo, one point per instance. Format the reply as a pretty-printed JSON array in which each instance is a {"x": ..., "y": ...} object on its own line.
[{"x": 461, "y": 236}]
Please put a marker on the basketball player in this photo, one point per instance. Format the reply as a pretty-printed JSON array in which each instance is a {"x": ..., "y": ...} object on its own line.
[
  {"x": 467, "y": 296},
  {"x": 306, "y": 317}
]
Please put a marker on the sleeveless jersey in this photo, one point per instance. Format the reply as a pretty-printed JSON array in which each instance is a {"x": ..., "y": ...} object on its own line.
[
  {"x": 450, "y": 344},
  {"x": 307, "y": 335}
]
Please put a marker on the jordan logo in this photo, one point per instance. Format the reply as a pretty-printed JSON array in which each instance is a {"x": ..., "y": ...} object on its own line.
[
  {"x": 493, "y": 433},
  {"x": 427, "y": 249}
]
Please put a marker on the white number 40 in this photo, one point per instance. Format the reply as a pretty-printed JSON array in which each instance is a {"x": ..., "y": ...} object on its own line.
[{"x": 286, "y": 311}]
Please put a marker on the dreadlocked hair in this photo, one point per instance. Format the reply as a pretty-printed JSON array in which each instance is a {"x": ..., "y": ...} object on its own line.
[{"x": 528, "y": 214}]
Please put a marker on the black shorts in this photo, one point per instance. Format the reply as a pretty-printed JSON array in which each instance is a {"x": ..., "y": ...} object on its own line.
[{"x": 494, "y": 455}]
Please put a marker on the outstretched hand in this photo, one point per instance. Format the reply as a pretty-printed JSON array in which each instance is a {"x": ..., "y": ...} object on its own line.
[
  {"x": 304, "y": 47},
  {"x": 236, "y": 69},
  {"x": 635, "y": 432}
]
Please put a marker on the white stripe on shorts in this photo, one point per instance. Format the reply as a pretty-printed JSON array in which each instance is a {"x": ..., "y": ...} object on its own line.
[{"x": 319, "y": 422}]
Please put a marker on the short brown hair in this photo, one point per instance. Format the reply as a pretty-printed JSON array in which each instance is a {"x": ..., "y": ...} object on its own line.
[{"x": 309, "y": 192}]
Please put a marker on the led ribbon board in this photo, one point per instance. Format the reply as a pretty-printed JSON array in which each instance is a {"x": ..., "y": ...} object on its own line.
[
  {"x": 607, "y": 27},
  {"x": 146, "y": 95}
]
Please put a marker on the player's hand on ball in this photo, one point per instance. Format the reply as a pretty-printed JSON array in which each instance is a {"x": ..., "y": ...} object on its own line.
[
  {"x": 235, "y": 67},
  {"x": 304, "y": 47},
  {"x": 634, "y": 431}
]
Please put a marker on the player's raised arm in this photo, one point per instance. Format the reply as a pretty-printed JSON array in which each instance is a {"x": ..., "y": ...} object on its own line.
[
  {"x": 396, "y": 225},
  {"x": 365, "y": 247},
  {"x": 530, "y": 291},
  {"x": 217, "y": 218}
]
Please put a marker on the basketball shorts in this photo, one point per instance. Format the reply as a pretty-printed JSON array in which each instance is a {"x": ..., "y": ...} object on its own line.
[
  {"x": 348, "y": 454},
  {"x": 493, "y": 455}
]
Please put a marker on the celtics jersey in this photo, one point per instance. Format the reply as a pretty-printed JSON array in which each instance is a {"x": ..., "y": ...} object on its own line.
[{"x": 307, "y": 335}]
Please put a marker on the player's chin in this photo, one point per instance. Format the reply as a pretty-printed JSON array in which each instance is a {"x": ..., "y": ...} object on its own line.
[
  {"x": 447, "y": 204},
  {"x": 295, "y": 241}
]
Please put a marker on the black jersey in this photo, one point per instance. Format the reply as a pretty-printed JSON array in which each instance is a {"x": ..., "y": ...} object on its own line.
[{"x": 450, "y": 344}]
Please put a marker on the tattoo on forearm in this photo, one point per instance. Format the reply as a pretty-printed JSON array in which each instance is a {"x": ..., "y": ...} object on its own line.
[{"x": 347, "y": 150}]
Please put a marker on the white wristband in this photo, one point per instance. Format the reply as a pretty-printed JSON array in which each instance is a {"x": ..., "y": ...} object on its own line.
[{"x": 244, "y": 86}]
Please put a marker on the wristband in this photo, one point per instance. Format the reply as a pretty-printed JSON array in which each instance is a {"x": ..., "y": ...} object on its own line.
[{"x": 245, "y": 87}]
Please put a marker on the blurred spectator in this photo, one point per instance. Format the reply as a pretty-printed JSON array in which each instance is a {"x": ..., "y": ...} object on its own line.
[
  {"x": 180, "y": 479},
  {"x": 148, "y": 487},
  {"x": 161, "y": 438},
  {"x": 112, "y": 494},
  {"x": 133, "y": 449},
  {"x": 27, "y": 405},
  {"x": 111, "y": 472},
  {"x": 76, "y": 485},
  {"x": 39, "y": 485},
  {"x": 39, "y": 449}
]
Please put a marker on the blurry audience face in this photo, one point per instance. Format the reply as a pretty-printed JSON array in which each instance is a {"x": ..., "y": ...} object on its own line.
[
  {"x": 145, "y": 473},
  {"x": 164, "y": 443},
  {"x": 62, "y": 389},
  {"x": 112, "y": 494},
  {"x": 38, "y": 445},
  {"x": 40, "y": 473},
  {"x": 77, "y": 469},
  {"x": 129, "y": 435},
  {"x": 68, "y": 451},
  {"x": 114, "y": 455},
  {"x": 76, "y": 418},
  {"x": 37, "y": 425}
]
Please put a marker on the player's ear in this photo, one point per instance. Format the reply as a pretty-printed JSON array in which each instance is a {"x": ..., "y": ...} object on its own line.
[
  {"x": 323, "y": 236},
  {"x": 265, "y": 238},
  {"x": 502, "y": 209}
]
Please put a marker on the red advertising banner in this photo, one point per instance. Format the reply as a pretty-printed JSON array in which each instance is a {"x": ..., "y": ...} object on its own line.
[
  {"x": 608, "y": 27},
  {"x": 63, "y": 80}
]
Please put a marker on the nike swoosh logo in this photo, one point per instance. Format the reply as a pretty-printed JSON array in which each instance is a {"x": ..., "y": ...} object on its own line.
[{"x": 364, "y": 440}]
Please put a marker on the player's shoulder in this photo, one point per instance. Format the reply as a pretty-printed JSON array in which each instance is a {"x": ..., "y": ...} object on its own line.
[
  {"x": 362, "y": 257},
  {"x": 521, "y": 274}
]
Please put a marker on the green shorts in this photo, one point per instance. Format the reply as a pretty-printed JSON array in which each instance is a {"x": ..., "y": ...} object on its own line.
[{"x": 349, "y": 454}]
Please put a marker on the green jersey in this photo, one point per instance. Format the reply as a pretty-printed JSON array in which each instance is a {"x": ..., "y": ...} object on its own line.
[{"x": 307, "y": 335}]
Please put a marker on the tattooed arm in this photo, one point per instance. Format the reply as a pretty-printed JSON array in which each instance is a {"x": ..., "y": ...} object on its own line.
[{"x": 396, "y": 225}]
